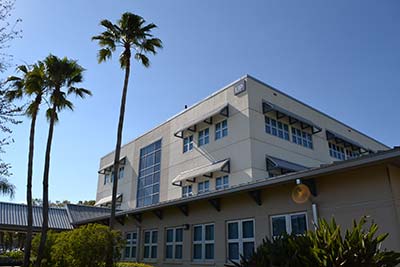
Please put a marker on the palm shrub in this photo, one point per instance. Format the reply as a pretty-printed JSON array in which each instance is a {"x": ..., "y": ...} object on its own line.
[{"x": 360, "y": 246}]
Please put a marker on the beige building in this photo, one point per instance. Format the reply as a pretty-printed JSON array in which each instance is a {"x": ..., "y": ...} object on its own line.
[{"x": 211, "y": 182}]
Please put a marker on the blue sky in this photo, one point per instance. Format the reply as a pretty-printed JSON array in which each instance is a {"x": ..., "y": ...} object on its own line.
[{"x": 341, "y": 57}]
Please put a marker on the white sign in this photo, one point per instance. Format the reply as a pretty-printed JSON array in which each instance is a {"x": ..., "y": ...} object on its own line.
[{"x": 240, "y": 87}]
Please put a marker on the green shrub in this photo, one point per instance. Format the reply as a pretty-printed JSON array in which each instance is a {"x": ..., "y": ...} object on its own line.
[
  {"x": 50, "y": 241},
  {"x": 87, "y": 246},
  {"x": 325, "y": 247},
  {"x": 131, "y": 264},
  {"x": 16, "y": 255}
]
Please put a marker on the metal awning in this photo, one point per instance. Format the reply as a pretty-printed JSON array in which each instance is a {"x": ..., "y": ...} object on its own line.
[
  {"x": 330, "y": 135},
  {"x": 108, "y": 199},
  {"x": 109, "y": 167},
  {"x": 293, "y": 118},
  {"x": 207, "y": 118},
  {"x": 275, "y": 164},
  {"x": 205, "y": 170}
]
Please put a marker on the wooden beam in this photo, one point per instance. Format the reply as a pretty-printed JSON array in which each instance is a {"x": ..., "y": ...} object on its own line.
[
  {"x": 256, "y": 196},
  {"x": 184, "y": 209},
  {"x": 158, "y": 213},
  {"x": 216, "y": 203}
]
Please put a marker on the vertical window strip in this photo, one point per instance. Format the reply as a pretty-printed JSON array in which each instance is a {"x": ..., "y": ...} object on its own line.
[
  {"x": 150, "y": 244},
  {"x": 203, "y": 242}
]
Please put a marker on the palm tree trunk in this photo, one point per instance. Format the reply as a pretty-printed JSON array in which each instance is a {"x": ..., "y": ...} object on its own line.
[
  {"x": 45, "y": 214},
  {"x": 119, "y": 138},
  {"x": 28, "y": 240}
]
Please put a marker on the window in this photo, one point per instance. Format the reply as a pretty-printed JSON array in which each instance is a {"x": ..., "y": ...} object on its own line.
[
  {"x": 302, "y": 138},
  {"x": 336, "y": 151},
  {"x": 121, "y": 172},
  {"x": 204, "y": 137},
  {"x": 203, "y": 187},
  {"x": 130, "y": 247},
  {"x": 277, "y": 128},
  {"x": 295, "y": 223},
  {"x": 148, "y": 189},
  {"x": 106, "y": 178},
  {"x": 150, "y": 244},
  {"x": 221, "y": 129},
  {"x": 352, "y": 154},
  {"x": 187, "y": 143},
  {"x": 222, "y": 182},
  {"x": 174, "y": 244},
  {"x": 203, "y": 242},
  {"x": 240, "y": 239},
  {"x": 187, "y": 191}
]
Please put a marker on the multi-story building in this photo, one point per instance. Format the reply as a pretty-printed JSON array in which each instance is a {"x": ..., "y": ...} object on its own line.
[
  {"x": 245, "y": 132},
  {"x": 247, "y": 162}
]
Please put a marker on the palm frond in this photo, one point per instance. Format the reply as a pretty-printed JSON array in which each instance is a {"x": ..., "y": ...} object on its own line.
[
  {"x": 81, "y": 92},
  {"x": 49, "y": 114},
  {"x": 6, "y": 188},
  {"x": 143, "y": 59},
  {"x": 104, "y": 54}
]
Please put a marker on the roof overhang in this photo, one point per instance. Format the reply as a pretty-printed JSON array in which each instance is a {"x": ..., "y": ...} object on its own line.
[
  {"x": 331, "y": 135},
  {"x": 390, "y": 156},
  {"x": 108, "y": 199},
  {"x": 274, "y": 164},
  {"x": 304, "y": 123},
  {"x": 222, "y": 110},
  {"x": 205, "y": 170}
]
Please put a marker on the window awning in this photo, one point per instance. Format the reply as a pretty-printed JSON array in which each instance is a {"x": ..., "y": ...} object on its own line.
[
  {"x": 330, "y": 135},
  {"x": 207, "y": 118},
  {"x": 109, "y": 168},
  {"x": 108, "y": 199},
  {"x": 275, "y": 164},
  {"x": 205, "y": 170},
  {"x": 293, "y": 118}
]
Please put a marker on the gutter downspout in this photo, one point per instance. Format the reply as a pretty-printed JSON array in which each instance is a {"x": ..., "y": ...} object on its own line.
[{"x": 314, "y": 207}]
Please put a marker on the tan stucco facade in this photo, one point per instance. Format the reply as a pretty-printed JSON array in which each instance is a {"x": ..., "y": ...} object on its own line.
[{"x": 346, "y": 195}]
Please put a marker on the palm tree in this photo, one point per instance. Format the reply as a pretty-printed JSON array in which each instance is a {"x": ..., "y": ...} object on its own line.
[
  {"x": 61, "y": 73},
  {"x": 6, "y": 188},
  {"x": 129, "y": 33},
  {"x": 31, "y": 84}
]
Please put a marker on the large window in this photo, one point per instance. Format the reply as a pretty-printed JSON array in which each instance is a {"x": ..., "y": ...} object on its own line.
[
  {"x": 276, "y": 128},
  {"x": 203, "y": 187},
  {"x": 302, "y": 138},
  {"x": 187, "y": 191},
  {"x": 130, "y": 247},
  {"x": 148, "y": 189},
  {"x": 174, "y": 244},
  {"x": 295, "y": 223},
  {"x": 222, "y": 182},
  {"x": 221, "y": 129},
  {"x": 240, "y": 239},
  {"x": 336, "y": 151},
  {"x": 150, "y": 244},
  {"x": 187, "y": 143},
  {"x": 203, "y": 242},
  {"x": 204, "y": 137}
]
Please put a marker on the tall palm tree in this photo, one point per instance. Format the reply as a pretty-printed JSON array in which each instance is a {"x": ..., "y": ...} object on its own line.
[
  {"x": 32, "y": 84},
  {"x": 129, "y": 33},
  {"x": 62, "y": 74}
]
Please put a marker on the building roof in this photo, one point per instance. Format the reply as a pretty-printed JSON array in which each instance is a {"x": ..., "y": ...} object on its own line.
[
  {"x": 13, "y": 216},
  {"x": 392, "y": 155}
]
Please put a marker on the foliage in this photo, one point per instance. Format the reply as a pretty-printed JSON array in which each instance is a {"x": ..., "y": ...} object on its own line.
[
  {"x": 131, "y": 264},
  {"x": 15, "y": 254},
  {"x": 87, "y": 246},
  {"x": 326, "y": 247}
]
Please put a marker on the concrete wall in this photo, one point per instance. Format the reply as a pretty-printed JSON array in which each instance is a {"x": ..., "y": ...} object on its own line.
[
  {"x": 346, "y": 196},
  {"x": 246, "y": 144}
]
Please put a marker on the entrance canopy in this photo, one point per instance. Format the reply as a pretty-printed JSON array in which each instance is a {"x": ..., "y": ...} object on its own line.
[{"x": 205, "y": 170}]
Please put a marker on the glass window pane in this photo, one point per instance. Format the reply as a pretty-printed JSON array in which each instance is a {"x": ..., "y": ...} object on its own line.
[
  {"x": 178, "y": 251},
  {"x": 179, "y": 235},
  {"x": 233, "y": 251},
  {"x": 299, "y": 225},
  {"x": 209, "y": 251},
  {"x": 168, "y": 253},
  {"x": 147, "y": 237},
  {"x": 127, "y": 252},
  {"x": 233, "y": 230},
  {"x": 197, "y": 251},
  {"x": 154, "y": 237},
  {"x": 197, "y": 233},
  {"x": 278, "y": 226},
  {"x": 170, "y": 235},
  {"x": 146, "y": 252},
  {"x": 133, "y": 252},
  {"x": 209, "y": 232},
  {"x": 154, "y": 252},
  {"x": 248, "y": 249},
  {"x": 248, "y": 229}
]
